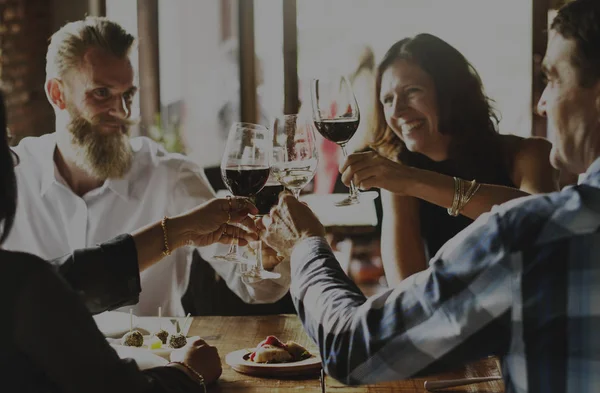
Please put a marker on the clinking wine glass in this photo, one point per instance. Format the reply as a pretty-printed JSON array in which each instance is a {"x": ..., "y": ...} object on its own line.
[
  {"x": 295, "y": 156},
  {"x": 264, "y": 200},
  {"x": 245, "y": 168},
  {"x": 336, "y": 116}
]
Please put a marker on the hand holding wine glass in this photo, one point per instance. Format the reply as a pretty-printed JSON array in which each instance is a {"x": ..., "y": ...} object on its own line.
[
  {"x": 245, "y": 169},
  {"x": 264, "y": 200},
  {"x": 336, "y": 117}
]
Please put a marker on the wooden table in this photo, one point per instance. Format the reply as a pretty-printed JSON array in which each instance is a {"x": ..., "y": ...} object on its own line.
[{"x": 229, "y": 334}]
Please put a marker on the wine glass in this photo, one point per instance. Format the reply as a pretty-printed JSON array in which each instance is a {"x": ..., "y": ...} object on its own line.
[
  {"x": 264, "y": 200},
  {"x": 295, "y": 156},
  {"x": 245, "y": 168},
  {"x": 336, "y": 117}
]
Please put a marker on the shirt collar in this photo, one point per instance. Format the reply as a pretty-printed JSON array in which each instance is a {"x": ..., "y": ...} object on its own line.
[{"x": 592, "y": 175}]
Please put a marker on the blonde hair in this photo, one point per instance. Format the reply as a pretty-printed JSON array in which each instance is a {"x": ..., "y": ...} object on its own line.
[{"x": 69, "y": 44}]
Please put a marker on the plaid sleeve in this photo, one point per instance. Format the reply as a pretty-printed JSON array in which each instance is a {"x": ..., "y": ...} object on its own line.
[{"x": 456, "y": 311}]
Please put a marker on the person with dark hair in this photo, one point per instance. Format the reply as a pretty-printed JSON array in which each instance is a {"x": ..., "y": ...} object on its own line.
[
  {"x": 440, "y": 161},
  {"x": 522, "y": 282},
  {"x": 51, "y": 341},
  {"x": 8, "y": 181}
]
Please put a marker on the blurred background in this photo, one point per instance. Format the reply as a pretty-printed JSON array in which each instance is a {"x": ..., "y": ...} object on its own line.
[{"x": 204, "y": 64}]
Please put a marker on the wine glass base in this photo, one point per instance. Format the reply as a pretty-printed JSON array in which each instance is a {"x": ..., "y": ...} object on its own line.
[
  {"x": 363, "y": 196},
  {"x": 255, "y": 275},
  {"x": 348, "y": 201},
  {"x": 233, "y": 258}
]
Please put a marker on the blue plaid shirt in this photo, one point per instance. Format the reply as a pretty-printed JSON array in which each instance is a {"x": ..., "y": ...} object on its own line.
[{"x": 522, "y": 282}]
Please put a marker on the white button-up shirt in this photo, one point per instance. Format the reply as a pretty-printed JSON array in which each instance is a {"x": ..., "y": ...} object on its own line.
[{"x": 52, "y": 220}]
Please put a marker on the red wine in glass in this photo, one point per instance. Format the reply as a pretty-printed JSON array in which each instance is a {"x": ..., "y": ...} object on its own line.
[
  {"x": 339, "y": 130},
  {"x": 336, "y": 116},
  {"x": 245, "y": 168},
  {"x": 245, "y": 180},
  {"x": 268, "y": 197}
]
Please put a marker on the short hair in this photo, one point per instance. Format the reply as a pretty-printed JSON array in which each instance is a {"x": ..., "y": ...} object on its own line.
[
  {"x": 465, "y": 112},
  {"x": 8, "y": 181},
  {"x": 69, "y": 44},
  {"x": 580, "y": 21}
]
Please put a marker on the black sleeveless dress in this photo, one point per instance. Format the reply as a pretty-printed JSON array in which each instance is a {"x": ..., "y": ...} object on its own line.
[{"x": 437, "y": 226}]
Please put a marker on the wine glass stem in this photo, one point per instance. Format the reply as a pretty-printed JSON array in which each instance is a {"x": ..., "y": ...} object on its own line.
[
  {"x": 353, "y": 190},
  {"x": 296, "y": 192},
  {"x": 234, "y": 247},
  {"x": 259, "y": 261}
]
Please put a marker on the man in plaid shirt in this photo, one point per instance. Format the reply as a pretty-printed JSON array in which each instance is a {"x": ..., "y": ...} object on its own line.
[{"x": 522, "y": 282}]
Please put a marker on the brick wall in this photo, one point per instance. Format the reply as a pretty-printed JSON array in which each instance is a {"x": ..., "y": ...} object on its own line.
[{"x": 25, "y": 26}]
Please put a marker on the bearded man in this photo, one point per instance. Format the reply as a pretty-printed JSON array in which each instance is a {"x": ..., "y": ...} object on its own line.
[{"x": 88, "y": 181}]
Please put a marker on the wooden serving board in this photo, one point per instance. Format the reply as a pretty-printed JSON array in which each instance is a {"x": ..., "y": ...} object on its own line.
[{"x": 239, "y": 361}]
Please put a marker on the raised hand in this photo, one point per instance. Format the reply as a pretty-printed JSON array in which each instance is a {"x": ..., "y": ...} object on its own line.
[
  {"x": 288, "y": 223},
  {"x": 221, "y": 220},
  {"x": 370, "y": 169}
]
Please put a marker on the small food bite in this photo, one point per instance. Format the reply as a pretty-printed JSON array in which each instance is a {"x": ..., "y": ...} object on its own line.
[
  {"x": 133, "y": 339},
  {"x": 177, "y": 340},
  {"x": 162, "y": 335},
  {"x": 271, "y": 354},
  {"x": 272, "y": 350}
]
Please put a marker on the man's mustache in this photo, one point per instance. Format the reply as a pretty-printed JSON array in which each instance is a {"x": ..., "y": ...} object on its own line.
[{"x": 103, "y": 119}]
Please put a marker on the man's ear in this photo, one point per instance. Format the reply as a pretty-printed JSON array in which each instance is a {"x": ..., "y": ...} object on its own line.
[{"x": 55, "y": 91}]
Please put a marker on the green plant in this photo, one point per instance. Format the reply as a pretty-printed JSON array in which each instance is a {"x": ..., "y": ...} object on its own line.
[{"x": 169, "y": 134}]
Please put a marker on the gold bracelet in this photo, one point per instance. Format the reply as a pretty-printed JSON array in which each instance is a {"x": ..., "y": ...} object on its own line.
[
  {"x": 199, "y": 376},
  {"x": 163, "y": 225},
  {"x": 471, "y": 192},
  {"x": 464, "y": 195},
  {"x": 458, "y": 195}
]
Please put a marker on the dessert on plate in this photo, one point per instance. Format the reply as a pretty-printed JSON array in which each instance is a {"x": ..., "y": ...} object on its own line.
[{"x": 273, "y": 350}]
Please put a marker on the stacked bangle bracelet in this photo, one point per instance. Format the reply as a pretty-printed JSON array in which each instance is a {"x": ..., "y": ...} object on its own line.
[{"x": 462, "y": 196}]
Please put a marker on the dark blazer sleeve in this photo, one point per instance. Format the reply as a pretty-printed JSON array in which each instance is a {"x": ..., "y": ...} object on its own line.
[
  {"x": 63, "y": 347},
  {"x": 106, "y": 276}
]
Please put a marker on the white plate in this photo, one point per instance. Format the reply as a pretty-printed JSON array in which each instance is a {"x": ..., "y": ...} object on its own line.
[
  {"x": 144, "y": 359},
  {"x": 114, "y": 323},
  {"x": 164, "y": 352},
  {"x": 239, "y": 361}
]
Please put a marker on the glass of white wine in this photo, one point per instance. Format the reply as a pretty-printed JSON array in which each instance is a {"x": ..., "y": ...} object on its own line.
[{"x": 295, "y": 156}]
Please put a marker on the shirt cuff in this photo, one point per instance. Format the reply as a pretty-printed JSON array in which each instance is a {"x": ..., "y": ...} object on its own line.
[
  {"x": 308, "y": 249},
  {"x": 107, "y": 275},
  {"x": 121, "y": 254}
]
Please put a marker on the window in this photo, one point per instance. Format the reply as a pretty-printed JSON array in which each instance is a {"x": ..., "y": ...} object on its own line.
[
  {"x": 493, "y": 35},
  {"x": 125, "y": 14}
]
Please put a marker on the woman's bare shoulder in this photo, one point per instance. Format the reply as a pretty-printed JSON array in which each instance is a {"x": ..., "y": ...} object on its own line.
[
  {"x": 520, "y": 151},
  {"x": 516, "y": 145},
  {"x": 529, "y": 161}
]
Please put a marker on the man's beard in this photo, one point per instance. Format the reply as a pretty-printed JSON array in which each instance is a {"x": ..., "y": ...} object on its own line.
[{"x": 101, "y": 155}]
